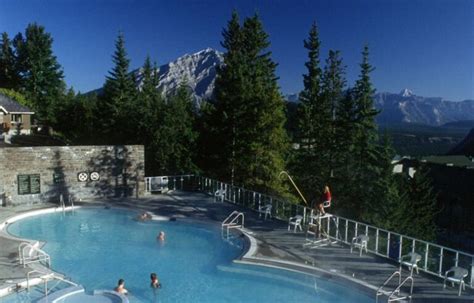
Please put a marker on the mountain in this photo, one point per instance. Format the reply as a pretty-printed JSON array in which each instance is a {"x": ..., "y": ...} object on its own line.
[
  {"x": 410, "y": 108},
  {"x": 466, "y": 146},
  {"x": 198, "y": 70}
]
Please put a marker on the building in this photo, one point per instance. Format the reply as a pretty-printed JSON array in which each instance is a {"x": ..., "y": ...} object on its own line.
[{"x": 14, "y": 118}]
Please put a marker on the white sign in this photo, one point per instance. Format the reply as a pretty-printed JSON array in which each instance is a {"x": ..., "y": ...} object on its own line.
[
  {"x": 82, "y": 177},
  {"x": 95, "y": 176}
]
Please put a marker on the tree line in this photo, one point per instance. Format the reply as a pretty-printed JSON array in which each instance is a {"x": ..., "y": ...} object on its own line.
[{"x": 239, "y": 135}]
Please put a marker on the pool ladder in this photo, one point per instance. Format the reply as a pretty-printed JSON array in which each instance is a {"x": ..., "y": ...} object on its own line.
[
  {"x": 62, "y": 204},
  {"x": 234, "y": 220},
  {"x": 394, "y": 295},
  {"x": 45, "y": 277}
]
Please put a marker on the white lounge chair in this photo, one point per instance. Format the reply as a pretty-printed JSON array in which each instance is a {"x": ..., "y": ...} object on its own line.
[
  {"x": 411, "y": 260},
  {"x": 265, "y": 210},
  {"x": 296, "y": 222},
  {"x": 219, "y": 195},
  {"x": 456, "y": 275},
  {"x": 360, "y": 242}
]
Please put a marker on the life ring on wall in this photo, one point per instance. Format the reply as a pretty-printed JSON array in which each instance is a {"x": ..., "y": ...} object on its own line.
[
  {"x": 95, "y": 176},
  {"x": 82, "y": 176}
]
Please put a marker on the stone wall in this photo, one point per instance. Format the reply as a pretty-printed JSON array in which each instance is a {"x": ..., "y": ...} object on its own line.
[{"x": 120, "y": 169}]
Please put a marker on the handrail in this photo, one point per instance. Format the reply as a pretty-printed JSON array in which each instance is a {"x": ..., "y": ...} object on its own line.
[
  {"x": 71, "y": 201},
  {"x": 294, "y": 185},
  {"x": 397, "y": 291},
  {"x": 224, "y": 223},
  {"x": 62, "y": 203},
  {"x": 380, "y": 291},
  {"x": 235, "y": 215},
  {"x": 46, "y": 276},
  {"x": 34, "y": 254}
]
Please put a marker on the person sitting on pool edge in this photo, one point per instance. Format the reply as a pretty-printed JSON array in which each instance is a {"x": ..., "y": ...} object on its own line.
[
  {"x": 161, "y": 236},
  {"x": 155, "y": 283},
  {"x": 121, "y": 287}
]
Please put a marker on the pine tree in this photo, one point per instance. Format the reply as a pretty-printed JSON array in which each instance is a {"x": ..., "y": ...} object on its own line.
[
  {"x": 264, "y": 140},
  {"x": 314, "y": 123},
  {"x": 332, "y": 94},
  {"x": 150, "y": 118},
  {"x": 249, "y": 112},
  {"x": 175, "y": 147},
  {"x": 118, "y": 99},
  {"x": 9, "y": 76},
  {"x": 41, "y": 75},
  {"x": 419, "y": 216},
  {"x": 364, "y": 164},
  {"x": 223, "y": 123}
]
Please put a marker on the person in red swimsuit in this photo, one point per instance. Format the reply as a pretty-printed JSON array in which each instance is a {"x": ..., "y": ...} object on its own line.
[{"x": 326, "y": 199}]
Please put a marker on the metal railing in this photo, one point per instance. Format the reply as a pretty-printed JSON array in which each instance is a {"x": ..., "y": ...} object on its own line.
[
  {"x": 29, "y": 253},
  {"x": 436, "y": 259},
  {"x": 46, "y": 277}
]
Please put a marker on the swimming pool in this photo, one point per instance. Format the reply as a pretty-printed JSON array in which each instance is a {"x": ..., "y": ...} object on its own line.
[{"x": 96, "y": 247}]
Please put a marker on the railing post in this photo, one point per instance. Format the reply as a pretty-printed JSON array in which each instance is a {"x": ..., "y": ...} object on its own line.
[
  {"x": 426, "y": 255},
  {"x": 440, "y": 270},
  {"x": 388, "y": 244},
  {"x": 457, "y": 259},
  {"x": 472, "y": 272},
  {"x": 377, "y": 240},
  {"x": 400, "y": 247},
  {"x": 413, "y": 246},
  {"x": 347, "y": 223}
]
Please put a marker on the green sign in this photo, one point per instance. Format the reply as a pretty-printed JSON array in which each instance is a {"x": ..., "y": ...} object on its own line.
[{"x": 29, "y": 184}]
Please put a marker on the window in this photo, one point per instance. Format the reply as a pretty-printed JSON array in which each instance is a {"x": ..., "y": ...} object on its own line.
[
  {"x": 29, "y": 184},
  {"x": 16, "y": 118}
]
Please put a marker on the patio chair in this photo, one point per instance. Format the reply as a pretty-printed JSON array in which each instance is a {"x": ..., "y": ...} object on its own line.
[
  {"x": 360, "y": 242},
  {"x": 411, "y": 260},
  {"x": 296, "y": 222},
  {"x": 456, "y": 275},
  {"x": 265, "y": 210},
  {"x": 219, "y": 195}
]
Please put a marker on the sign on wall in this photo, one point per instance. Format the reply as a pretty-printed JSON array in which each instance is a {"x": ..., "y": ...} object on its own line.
[
  {"x": 29, "y": 184},
  {"x": 95, "y": 176},
  {"x": 82, "y": 176}
]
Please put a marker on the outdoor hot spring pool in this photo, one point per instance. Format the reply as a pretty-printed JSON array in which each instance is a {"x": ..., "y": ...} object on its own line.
[{"x": 95, "y": 247}]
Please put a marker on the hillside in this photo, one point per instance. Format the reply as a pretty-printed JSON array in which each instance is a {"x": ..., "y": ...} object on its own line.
[{"x": 465, "y": 147}]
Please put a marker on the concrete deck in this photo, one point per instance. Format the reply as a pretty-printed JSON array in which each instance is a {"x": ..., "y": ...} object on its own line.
[{"x": 275, "y": 247}]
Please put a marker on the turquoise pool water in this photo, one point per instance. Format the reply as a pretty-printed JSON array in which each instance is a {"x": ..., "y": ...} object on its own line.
[{"x": 96, "y": 247}]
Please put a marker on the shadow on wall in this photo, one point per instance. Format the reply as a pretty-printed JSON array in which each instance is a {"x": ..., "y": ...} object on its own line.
[
  {"x": 118, "y": 177},
  {"x": 59, "y": 185}
]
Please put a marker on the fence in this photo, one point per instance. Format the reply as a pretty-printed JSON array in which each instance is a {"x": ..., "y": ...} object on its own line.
[{"x": 436, "y": 259}]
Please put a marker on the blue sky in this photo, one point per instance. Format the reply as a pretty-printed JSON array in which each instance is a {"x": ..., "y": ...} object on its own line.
[{"x": 424, "y": 45}]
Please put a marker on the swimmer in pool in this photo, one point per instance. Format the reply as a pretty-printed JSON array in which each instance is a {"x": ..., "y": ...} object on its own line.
[
  {"x": 155, "y": 283},
  {"x": 144, "y": 217},
  {"x": 161, "y": 236},
  {"x": 121, "y": 287}
]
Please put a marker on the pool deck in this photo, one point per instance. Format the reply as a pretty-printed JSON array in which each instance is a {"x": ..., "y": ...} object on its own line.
[{"x": 275, "y": 247}]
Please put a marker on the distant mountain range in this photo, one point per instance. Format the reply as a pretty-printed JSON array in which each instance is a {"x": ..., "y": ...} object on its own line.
[
  {"x": 199, "y": 71},
  {"x": 409, "y": 108}
]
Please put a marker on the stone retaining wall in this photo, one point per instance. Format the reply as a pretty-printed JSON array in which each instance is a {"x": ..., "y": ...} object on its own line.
[{"x": 120, "y": 170}]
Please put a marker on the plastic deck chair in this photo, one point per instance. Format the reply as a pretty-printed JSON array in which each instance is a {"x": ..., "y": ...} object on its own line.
[
  {"x": 360, "y": 242},
  {"x": 265, "y": 210},
  {"x": 296, "y": 222},
  {"x": 411, "y": 260},
  {"x": 220, "y": 195},
  {"x": 456, "y": 275}
]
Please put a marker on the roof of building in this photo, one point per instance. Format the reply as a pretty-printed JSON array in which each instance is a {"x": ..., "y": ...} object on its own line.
[{"x": 10, "y": 106}]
